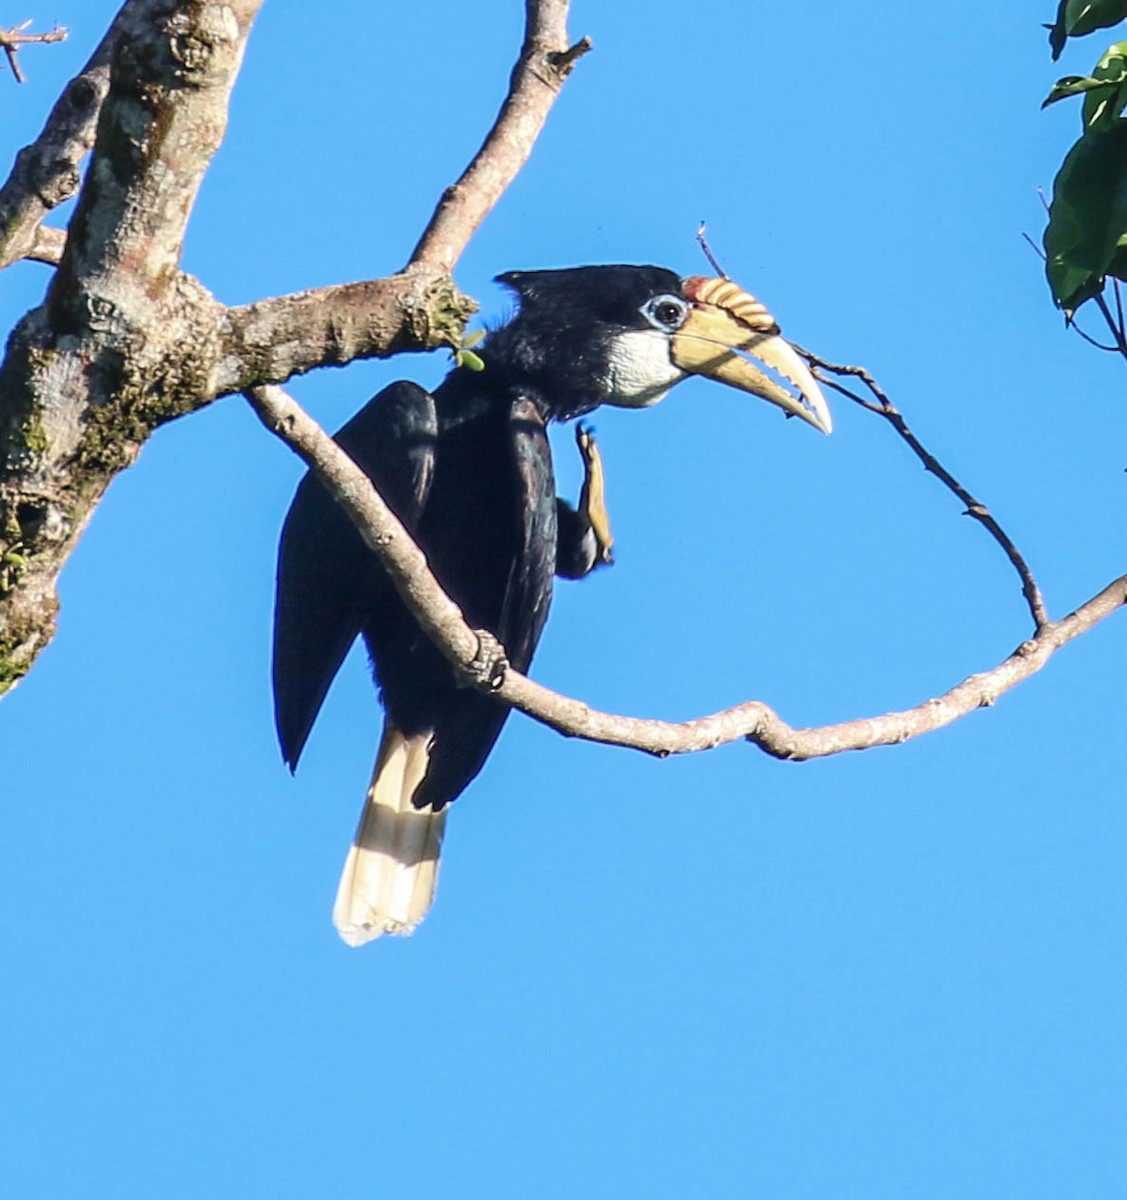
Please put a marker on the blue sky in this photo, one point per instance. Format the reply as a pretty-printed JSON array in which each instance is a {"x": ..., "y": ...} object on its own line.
[{"x": 892, "y": 974}]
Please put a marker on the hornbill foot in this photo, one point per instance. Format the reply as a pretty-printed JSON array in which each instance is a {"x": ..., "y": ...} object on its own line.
[
  {"x": 489, "y": 663},
  {"x": 592, "y": 500}
]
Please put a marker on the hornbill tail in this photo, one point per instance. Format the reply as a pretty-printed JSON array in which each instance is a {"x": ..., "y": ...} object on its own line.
[{"x": 391, "y": 872}]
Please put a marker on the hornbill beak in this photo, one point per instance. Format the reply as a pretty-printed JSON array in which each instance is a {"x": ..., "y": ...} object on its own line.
[{"x": 724, "y": 324}]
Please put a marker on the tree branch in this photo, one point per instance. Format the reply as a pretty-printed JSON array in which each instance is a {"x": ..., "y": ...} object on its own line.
[
  {"x": 753, "y": 721},
  {"x": 117, "y": 346},
  {"x": 380, "y": 528},
  {"x": 545, "y": 62},
  {"x": 47, "y": 172},
  {"x": 271, "y": 340},
  {"x": 48, "y": 245}
]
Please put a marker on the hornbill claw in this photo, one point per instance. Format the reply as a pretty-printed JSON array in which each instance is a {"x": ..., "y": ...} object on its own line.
[{"x": 592, "y": 500}]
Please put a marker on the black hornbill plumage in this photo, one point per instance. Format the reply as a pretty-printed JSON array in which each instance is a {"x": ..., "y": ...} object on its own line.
[{"x": 468, "y": 471}]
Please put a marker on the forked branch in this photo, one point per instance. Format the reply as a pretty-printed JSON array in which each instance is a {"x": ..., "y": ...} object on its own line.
[
  {"x": 47, "y": 172},
  {"x": 753, "y": 721},
  {"x": 12, "y": 39},
  {"x": 883, "y": 407}
]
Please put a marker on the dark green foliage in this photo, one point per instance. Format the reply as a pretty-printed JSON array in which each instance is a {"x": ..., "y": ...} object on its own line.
[
  {"x": 1086, "y": 238},
  {"x": 1075, "y": 18},
  {"x": 1088, "y": 218},
  {"x": 1104, "y": 91}
]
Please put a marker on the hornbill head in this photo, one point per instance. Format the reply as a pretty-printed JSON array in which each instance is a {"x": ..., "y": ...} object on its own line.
[{"x": 624, "y": 335}]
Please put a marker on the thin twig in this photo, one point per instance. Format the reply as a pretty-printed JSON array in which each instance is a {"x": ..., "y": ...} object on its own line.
[
  {"x": 1072, "y": 322},
  {"x": 707, "y": 249},
  {"x": 12, "y": 39},
  {"x": 1034, "y": 247},
  {"x": 1092, "y": 341},
  {"x": 884, "y": 407},
  {"x": 1116, "y": 331}
]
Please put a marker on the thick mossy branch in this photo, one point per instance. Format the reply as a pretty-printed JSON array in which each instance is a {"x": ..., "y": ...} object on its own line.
[
  {"x": 272, "y": 340},
  {"x": 83, "y": 387}
]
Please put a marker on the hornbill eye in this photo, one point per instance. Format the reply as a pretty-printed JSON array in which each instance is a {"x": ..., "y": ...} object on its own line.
[{"x": 665, "y": 312}]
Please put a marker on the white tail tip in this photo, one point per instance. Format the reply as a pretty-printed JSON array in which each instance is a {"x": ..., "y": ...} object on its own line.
[{"x": 390, "y": 875}]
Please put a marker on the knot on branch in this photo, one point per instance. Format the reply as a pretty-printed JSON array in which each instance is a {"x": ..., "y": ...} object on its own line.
[
  {"x": 197, "y": 38},
  {"x": 563, "y": 61},
  {"x": 53, "y": 176},
  {"x": 489, "y": 664},
  {"x": 436, "y": 312}
]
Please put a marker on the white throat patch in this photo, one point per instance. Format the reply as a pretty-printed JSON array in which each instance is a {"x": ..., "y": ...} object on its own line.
[{"x": 639, "y": 372}]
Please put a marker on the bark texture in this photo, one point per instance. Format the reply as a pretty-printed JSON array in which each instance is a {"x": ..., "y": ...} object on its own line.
[{"x": 125, "y": 340}]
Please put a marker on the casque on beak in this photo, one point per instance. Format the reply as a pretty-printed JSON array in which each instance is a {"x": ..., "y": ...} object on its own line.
[{"x": 724, "y": 324}]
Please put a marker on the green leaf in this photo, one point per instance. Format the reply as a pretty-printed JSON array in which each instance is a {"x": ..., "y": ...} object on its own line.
[
  {"x": 1085, "y": 16},
  {"x": 1103, "y": 105},
  {"x": 1104, "y": 91},
  {"x": 1071, "y": 85},
  {"x": 1058, "y": 31},
  {"x": 1088, "y": 216},
  {"x": 1118, "y": 264},
  {"x": 472, "y": 339},
  {"x": 1076, "y": 18},
  {"x": 469, "y": 360}
]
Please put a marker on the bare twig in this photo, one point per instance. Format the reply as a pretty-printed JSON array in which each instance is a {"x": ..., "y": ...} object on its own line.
[
  {"x": 12, "y": 39},
  {"x": 1034, "y": 247},
  {"x": 545, "y": 61},
  {"x": 884, "y": 407},
  {"x": 754, "y": 721},
  {"x": 47, "y": 172},
  {"x": 1115, "y": 327},
  {"x": 707, "y": 250},
  {"x": 974, "y": 508},
  {"x": 1092, "y": 341}
]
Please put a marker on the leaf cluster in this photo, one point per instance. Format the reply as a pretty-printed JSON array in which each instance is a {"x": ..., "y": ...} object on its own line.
[{"x": 1086, "y": 238}]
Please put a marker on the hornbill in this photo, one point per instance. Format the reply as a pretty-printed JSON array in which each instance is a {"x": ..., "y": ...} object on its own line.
[{"x": 468, "y": 471}]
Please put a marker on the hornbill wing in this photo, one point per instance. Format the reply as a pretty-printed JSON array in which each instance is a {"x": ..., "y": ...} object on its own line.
[
  {"x": 528, "y": 595},
  {"x": 329, "y": 583},
  {"x": 468, "y": 724}
]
